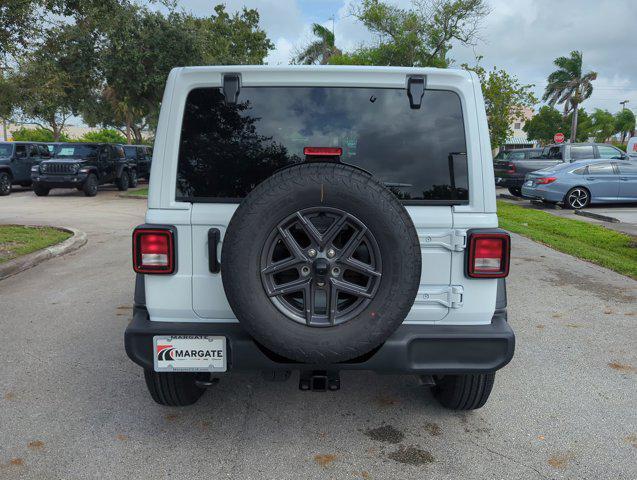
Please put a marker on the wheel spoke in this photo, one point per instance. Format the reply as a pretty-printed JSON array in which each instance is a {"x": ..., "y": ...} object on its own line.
[
  {"x": 290, "y": 287},
  {"x": 351, "y": 288},
  {"x": 352, "y": 244},
  {"x": 294, "y": 248},
  {"x": 310, "y": 229},
  {"x": 360, "y": 267},
  {"x": 333, "y": 231},
  {"x": 332, "y": 303},
  {"x": 282, "y": 266}
]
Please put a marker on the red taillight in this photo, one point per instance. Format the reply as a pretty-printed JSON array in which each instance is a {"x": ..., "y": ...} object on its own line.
[
  {"x": 489, "y": 255},
  {"x": 323, "y": 151},
  {"x": 545, "y": 180},
  {"x": 153, "y": 250},
  {"x": 511, "y": 168}
]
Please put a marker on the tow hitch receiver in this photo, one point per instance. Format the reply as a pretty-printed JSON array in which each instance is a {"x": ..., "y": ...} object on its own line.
[{"x": 319, "y": 380}]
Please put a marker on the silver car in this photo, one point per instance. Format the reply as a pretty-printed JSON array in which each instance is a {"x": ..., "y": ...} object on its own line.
[{"x": 578, "y": 184}]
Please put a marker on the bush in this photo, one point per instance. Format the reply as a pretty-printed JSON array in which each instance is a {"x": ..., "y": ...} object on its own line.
[
  {"x": 107, "y": 135},
  {"x": 24, "y": 134}
]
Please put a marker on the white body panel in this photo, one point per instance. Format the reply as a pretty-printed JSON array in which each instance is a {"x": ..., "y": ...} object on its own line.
[{"x": 445, "y": 295}]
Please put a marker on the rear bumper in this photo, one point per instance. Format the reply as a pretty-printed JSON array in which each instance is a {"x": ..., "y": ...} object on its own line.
[
  {"x": 417, "y": 349},
  {"x": 542, "y": 194}
]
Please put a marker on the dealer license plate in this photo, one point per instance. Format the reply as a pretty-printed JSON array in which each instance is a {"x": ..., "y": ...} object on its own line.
[{"x": 189, "y": 353}]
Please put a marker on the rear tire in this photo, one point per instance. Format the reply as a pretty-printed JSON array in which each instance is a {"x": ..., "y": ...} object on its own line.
[
  {"x": 463, "y": 392},
  {"x": 577, "y": 198},
  {"x": 90, "y": 185},
  {"x": 515, "y": 191},
  {"x": 173, "y": 389},
  {"x": 40, "y": 190},
  {"x": 123, "y": 182},
  {"x": 5, "y": 184}
]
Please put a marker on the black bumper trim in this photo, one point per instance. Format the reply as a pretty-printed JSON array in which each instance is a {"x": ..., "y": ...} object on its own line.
[{"x": 417, "y": 349}]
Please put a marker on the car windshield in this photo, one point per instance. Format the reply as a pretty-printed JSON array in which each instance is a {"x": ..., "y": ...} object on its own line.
[
  {"x": 227, "y": 149},
  {"x": 6, "y": 149},
  {"x": 80, "y": 151}
]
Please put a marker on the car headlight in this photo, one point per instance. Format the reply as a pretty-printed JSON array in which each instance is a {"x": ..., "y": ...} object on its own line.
[
  {"x": 43, "y": 167},
  {"x": 75, "y": 167}
]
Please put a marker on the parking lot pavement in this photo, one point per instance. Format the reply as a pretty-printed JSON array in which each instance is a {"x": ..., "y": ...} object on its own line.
[
  {"x": 73, "y": 406},
  {"x": 625, "y": 213}
]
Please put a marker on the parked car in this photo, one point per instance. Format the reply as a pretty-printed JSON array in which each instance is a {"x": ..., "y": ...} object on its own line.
[
  {"x": 510, "y": 172},
  {"x": 505, "y": 164},
  {"x": 578, "y": 184},
  {"x": 84, "y": 166},
  {"x": 16, "y": 160},
  {"x": 141, "y": 156},
  {"x": 332, "y": 257}
]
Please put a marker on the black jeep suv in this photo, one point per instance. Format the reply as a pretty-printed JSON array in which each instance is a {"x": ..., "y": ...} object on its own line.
[
  {"x": 84, "y": 166},
  {"x": 16, "y": 161},
  {"x": 141, "y": 156}
]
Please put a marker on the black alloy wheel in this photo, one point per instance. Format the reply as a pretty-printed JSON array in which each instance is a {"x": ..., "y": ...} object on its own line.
[{"x": 321, "y": 266}]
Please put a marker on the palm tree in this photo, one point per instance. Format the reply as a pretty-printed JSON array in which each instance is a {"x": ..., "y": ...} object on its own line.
[
  {"x": 320, "y": 50},
  {"x": 569, "y": 86}
]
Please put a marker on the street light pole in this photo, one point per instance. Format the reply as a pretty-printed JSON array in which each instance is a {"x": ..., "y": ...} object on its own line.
[{"x": 623, "y": 104}]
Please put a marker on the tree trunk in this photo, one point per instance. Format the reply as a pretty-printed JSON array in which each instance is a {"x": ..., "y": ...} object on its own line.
[
  {"x": 128, "y": 129},
  {"x": 4, "y": 129},
  {"x": 574, "y": 123}
]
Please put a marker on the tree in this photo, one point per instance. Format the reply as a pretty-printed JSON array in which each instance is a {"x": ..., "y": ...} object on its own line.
[
  {"x": 624, "y": 123},
  {"x": 47, "y": 95},
  {"x": 569, "y": 86},
  {"x": 504, "y": 99},
  {"x": 418, "y": 37},
  {"x": 9, "y": 99},
  {"x": 320, "y": 51},
  {"x": 17, "y": 25},
  {"x": 544, "y": 125},
  {"x": 144, "y": 45},
  {"x": 603, "y": 124}
]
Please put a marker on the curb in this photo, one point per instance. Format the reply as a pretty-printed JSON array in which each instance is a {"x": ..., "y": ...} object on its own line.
[
  {"x": 510, "y": 197},
  {"x": 597, "y": 216},
  {"x": 135, "y": 197},
  {"x": 25, "y": 262}
]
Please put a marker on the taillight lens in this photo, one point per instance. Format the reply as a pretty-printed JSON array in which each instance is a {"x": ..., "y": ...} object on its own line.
[
  {"x": 511, "y": 168},
  {"x": 153, "y": 250},
  {"x": 322, "y": 151},
  {"x": 489, "y": 255},
  {"x": 545, "y": 180}
]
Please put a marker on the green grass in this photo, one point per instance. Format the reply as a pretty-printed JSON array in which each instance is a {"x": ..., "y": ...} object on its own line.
[
  {"x": 140, "y": 192},
  {"x": 16, "y": 240},
  {"x": 587, "y": 241}
]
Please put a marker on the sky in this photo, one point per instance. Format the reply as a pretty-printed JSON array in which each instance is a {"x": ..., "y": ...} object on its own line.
[{"x": 520, "y": 36}]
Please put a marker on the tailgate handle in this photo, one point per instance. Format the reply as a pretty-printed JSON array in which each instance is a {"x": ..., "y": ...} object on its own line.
[{"x": 214, "y": 235}]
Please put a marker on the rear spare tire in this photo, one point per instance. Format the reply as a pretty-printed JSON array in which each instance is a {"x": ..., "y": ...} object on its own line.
[{"x": 321, "y": 263}]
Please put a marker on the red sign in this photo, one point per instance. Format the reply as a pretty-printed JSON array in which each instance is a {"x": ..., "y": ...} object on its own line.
[{"x": 558, "y": 138}]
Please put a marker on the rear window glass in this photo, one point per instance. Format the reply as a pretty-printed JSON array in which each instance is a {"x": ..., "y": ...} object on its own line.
[
  {"x": 226, "y": 150},
  {"x": 130, "y": 151},
  {"x": 582, "y": 152}
]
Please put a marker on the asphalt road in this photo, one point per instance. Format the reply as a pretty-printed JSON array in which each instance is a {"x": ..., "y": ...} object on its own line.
[{"x": 73, "y": 406}]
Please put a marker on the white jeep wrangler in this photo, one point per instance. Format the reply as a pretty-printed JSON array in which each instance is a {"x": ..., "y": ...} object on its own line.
[{"x": 320, "y": 219}]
